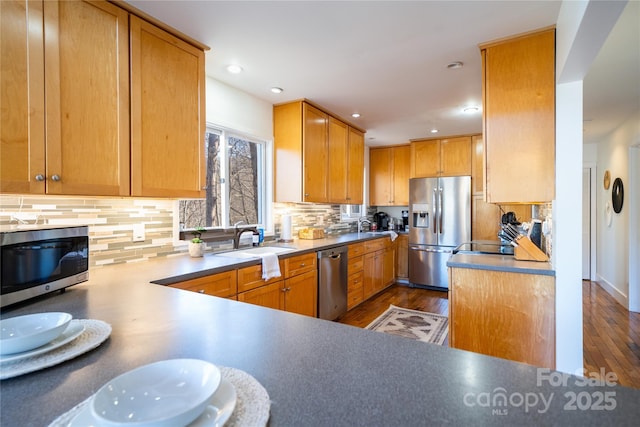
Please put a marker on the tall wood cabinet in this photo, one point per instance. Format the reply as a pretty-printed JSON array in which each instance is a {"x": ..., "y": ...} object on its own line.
[
  {"x": 519, "y": 118},
  {"x": 317, "y": 156},
  {"x": 389, "y": 175},
  {"x": 441, "y": 157},
  {"x": 77, "y": 139}
]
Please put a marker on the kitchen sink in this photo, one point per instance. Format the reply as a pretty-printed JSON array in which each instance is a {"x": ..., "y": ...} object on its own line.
[{"x": 256, "y": 252}]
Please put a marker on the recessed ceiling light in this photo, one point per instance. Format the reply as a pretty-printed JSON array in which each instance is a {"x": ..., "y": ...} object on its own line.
[
  {"x": 454, "y": 65},
  {"x": 434, "y": 130},
  {"x": 470, "y": 110},
  {"x": 234, "y": 68},
  {"x": 355, "y": 115},
  {"x": 276, "y": 89}
]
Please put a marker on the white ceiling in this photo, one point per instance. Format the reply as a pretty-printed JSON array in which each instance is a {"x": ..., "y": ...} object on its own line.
[{"x": 387, "y": 59}]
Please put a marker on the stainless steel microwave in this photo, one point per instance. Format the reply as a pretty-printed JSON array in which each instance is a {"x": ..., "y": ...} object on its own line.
[{"x": 39, "y": 260}]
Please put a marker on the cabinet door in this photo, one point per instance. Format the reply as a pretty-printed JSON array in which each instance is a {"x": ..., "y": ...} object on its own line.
[
  {"x": 338, "y": 161},
  {"x": 425, "y": 158},
  {"x": 455, "y": 156},
  {"x": 380, "y": 174},
  {"x": 22, "y": 142},
  {"x": 266, "y": 296},
  {"x": 167, "y": 114},
  {"x": 388, "y": 267},
  {"x": 315, "y": 129},
  {"x": 519, "y": 119},
  {"x": 477, "y": 165},
  {"x": 220, "y": 285},
  {"x": 402, "y": 256},
  {"x": 87, "y": 102},
  {"x": 301, "y": 294},
  {"x": 355, "y": 169},
  {"x": 401, "y": 174}
]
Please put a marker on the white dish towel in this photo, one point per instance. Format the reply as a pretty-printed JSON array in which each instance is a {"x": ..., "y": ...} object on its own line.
[{"x": 270, "y": 266}]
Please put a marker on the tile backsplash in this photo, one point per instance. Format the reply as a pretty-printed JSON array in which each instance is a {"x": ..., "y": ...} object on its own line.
[{"x": 111, "y": 222}]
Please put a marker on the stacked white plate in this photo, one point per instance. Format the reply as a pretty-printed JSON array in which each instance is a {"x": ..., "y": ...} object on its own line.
[
  {"x": 175, "y": 392},
  {"x": 31, "y": 333}
]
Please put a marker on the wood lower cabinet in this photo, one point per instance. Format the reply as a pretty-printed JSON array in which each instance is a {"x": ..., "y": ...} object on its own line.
[
  {"x": 441, "y": 157},
  {"x": 503, "y": 314},
  {"x": 402, "y": 256},
  {"x": 519, "y": 118},
  {"x": 389, "y": 176},
  {"x": 379, "y": 266},
  {"x": 301, "y": 294},
  {"x": 220, "y": 284},
  {"x": 266, "y": 296}
]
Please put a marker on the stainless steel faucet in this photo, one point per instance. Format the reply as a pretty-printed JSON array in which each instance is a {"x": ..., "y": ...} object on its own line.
[
  {"x": 237, "y": 232},
  {"x": 362, "y": 220}
]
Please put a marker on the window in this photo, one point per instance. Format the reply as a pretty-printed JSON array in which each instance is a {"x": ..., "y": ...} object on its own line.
[
  {"x": 236, "y": 183},
  {"x": 350, "y": 213}
]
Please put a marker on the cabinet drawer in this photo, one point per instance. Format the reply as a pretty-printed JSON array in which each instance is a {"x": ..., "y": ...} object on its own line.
[
  {"x": 300, "y": 264},
  {"x": 355, "y": 290},
  {"x": 355, "y": 264},
  {"x": 251, "y": 277},
  {"x": 220, "y": 285},
  {"x": 376, "y": 245},
  {"x": 356, "y": 249}
]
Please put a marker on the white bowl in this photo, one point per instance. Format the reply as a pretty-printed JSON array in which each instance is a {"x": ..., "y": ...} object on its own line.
[
  {"x": 23, "y": 333},
  {"x": 168, "y": 393}
]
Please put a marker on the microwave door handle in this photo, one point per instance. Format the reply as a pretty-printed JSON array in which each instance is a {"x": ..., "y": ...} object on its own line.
[{"x": 440, "y": 209}]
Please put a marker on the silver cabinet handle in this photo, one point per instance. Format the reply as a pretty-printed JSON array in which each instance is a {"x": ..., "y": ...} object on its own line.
[
  {"x": 39, "y": 177},
  {"x": 55, "y": 178}
]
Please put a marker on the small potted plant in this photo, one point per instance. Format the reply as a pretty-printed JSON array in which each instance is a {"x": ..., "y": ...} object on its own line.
[{"x": 197, "y": 245}]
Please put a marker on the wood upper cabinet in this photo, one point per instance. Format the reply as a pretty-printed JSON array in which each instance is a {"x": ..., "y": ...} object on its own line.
[
  {"x": 441, "y": 157},
  {"x": 389, "y": 175},
  {"x": 22, "y": 140},
  {"x": 507, "y": 315},
  {"x": 167, "y": 114},
  {"x": 317, "y": 157},
  {"x": 84, "y": 69},
  {"x": 519, "y": 118},
  {"x": 477, "y": 165},
  {"x": 95, "y": 133}
]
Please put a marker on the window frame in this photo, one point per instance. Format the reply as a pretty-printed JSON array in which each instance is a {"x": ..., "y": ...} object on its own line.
[{"x": 265, "y": 173}]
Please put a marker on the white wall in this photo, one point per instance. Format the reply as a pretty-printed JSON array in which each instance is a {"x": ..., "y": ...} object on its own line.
[
  {"x": 613, "y": 240},
  {"x": 235, "y": 109},
  {"x": 590, "y": 153}
]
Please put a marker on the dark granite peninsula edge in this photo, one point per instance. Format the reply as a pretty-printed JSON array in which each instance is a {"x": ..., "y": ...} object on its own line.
[
  {"x": 504, "y": 263},
  {"x": 317, "y": 373}
]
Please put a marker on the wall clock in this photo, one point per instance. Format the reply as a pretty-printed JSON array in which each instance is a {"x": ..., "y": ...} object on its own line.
[
  {"x": 607, "y": 179},
  {"x": 617, "y": 195}
]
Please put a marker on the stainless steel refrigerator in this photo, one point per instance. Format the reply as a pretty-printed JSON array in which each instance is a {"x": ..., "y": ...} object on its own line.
[{"x": 439, "y": 220}]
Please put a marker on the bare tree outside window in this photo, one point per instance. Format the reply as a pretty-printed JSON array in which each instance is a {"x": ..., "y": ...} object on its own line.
[{"x": 240, "y": 193}]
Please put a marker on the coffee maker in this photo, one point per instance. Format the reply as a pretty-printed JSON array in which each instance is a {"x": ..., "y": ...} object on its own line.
[
  {"x": 382, "y": 220},
  {"x": 405, "y": 220}
]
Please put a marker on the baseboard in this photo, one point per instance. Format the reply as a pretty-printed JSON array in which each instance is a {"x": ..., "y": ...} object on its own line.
[{"x": 613, "y": 291}]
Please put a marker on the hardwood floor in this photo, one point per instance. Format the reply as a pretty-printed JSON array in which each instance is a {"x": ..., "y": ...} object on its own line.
[{"x": 611, "y": 333}]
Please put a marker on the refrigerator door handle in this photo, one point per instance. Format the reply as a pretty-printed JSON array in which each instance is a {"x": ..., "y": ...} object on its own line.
[
  {"x": 434, "y": 202},
  {"x": 440, "y": 209}
]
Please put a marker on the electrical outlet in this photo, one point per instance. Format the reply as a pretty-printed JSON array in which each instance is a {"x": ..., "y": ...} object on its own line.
[{"x": 138, "y": 233}]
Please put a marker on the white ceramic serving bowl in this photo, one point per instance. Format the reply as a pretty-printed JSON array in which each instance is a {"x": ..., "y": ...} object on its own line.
[
  {"x": 24, "y": 333},
  {"x": 163, "y": 394}
]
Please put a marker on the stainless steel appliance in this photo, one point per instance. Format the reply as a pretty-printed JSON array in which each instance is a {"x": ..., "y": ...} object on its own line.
[
  {"x": 439, "y": 221},
  {"x": 38, "y": 260},
  {"x": 332, "y": 283}
]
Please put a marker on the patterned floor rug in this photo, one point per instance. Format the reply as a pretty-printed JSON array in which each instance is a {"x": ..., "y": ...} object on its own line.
[{"x": 418, "y": 325}]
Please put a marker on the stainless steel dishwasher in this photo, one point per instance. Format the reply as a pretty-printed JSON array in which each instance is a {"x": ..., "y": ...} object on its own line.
[{"x": 332, "y": 283}]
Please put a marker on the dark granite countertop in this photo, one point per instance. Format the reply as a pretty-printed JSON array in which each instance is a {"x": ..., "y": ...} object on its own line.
[
  {"x": 505, "y": 263},
  {"x": 317, "y": 372}
]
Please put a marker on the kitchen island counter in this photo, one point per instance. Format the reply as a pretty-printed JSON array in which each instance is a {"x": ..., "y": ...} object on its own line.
[
  {"x": 316, "y": 372},
  {"x": 504, "y": 263}
]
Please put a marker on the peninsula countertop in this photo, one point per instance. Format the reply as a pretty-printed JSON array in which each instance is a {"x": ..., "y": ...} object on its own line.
[{"x": 317, "y": 372}]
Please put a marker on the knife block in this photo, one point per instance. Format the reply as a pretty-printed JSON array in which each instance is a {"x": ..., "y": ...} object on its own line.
[{"x": 527, "y": 250}]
